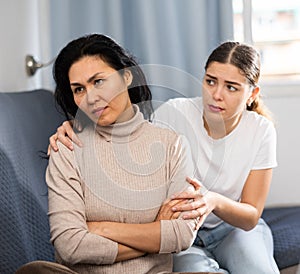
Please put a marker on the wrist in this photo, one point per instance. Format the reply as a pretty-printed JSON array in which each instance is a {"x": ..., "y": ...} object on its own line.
[
  {"x": 99, "y": 228},
  {"x": 211, "y": 200},
  {"x": 104, "y": 230}
]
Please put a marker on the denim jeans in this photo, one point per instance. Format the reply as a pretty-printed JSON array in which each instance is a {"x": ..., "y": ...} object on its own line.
[{"x": 226, "y": 249}]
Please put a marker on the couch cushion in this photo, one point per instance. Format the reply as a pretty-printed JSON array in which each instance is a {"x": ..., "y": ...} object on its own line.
[
  {"x": 27, "y": 120},
  {"x": 285, "y": 225}
]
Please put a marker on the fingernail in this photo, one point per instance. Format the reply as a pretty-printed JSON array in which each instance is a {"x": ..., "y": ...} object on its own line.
[{"x": 174, "y": 208}]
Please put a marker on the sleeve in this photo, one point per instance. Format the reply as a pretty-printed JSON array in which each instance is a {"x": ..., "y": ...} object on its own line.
[
  {"x": 69, "y": 232},
  {"x": 168, "y": 116},
  {"x": 179, "y": 234},
  {"x": 266, "y": 155}
]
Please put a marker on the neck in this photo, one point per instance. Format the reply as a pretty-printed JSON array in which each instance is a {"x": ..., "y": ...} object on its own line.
[
  {"x": 219, "y": 129},
  {"x": 126, "y": 115},
  {"x": 122, "y": 132}
]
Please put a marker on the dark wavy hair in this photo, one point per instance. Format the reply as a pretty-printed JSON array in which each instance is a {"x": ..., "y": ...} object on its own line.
[
  {"x": 247, "y": 59},
  {"x": 111, "y": 53}
]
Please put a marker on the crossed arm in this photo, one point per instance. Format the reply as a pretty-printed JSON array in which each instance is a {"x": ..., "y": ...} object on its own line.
[
  {"x": 244, "y": 213},
  {"x": 146, "y": 237},
  {"x": 135, "y": 240},
  {"x": 195, "y": 209},
  {"x": 128, "y": 240}
]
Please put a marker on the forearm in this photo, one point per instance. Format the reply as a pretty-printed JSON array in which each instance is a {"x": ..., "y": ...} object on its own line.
[
  {"x": 238, "y": 214},
  {"x": 143, "y": 237},
  {"x": 127, "y": 253},
  {"x": 246, "y": 213}
]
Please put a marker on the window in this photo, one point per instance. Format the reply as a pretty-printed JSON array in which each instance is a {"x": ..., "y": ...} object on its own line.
[{"x": 274, "y": 28}]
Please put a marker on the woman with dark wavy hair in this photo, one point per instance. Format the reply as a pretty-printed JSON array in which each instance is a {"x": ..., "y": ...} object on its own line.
[{"x": 106, "y": 197}]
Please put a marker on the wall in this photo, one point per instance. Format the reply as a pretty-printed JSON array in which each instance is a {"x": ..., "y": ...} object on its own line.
[
  {"x": 22, "y": 25},
  {"x": 24, "y": 29},
  {"x": 284, "y": 101},
  {"x": 40, "y": 26}
]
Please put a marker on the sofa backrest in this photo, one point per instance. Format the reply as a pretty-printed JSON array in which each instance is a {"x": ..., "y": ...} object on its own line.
[{"x": 27, "y": 120}]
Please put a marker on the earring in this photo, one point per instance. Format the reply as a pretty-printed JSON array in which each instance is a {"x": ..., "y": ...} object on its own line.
[{"x": 249, "y": 103}]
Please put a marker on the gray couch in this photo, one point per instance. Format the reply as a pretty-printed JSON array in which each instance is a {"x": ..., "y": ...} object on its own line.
[{"x": 27, "y": 120}]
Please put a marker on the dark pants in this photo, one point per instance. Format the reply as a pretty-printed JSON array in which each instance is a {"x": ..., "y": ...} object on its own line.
[{"x": 44, "y": 267}]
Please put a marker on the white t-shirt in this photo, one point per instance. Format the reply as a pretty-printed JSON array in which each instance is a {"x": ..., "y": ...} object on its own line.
[{"x": 222, "y": 165}]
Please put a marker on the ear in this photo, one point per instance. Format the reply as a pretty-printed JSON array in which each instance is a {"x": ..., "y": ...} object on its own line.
[
  {"x": 128, "y": 77},
  {"x": 253, "y": 96}
]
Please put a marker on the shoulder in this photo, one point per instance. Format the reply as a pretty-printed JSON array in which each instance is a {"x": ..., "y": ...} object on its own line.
[
  {"x": 178, "y": 111},
  {"x": 253, "y": 119},
  {"x": 172, "y": 140},
  {"x": 258, "y": 128},
  {"x": 195, "y": 102},
  {"x": 62, "y": 151},
  {"x": 168, "y": 138},
  {"x": 63, "y": 154},
  {"x": 159, "y": 132}
]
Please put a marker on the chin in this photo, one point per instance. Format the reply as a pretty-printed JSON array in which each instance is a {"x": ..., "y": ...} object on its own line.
[
  {"x": 214, "y": 117},
  {"x": 103, "y": 123}
]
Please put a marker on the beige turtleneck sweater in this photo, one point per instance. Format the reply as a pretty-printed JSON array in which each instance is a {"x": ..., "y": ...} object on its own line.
[{"x": 123, "y": 173}]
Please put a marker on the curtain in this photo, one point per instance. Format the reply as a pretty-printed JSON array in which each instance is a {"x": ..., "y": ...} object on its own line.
[{"x": 171, "y": 38}]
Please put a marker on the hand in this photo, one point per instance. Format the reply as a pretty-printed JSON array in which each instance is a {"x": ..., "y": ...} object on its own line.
[
  {"x": 65, "y": 134},
  {"x": 197, "y": 205},
  {"x": 166, "y": 212}
]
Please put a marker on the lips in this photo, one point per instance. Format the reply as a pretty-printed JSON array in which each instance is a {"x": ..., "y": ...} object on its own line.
[
  {"x": 98, "y": 111},
  {"x": 214, "y": 108}
]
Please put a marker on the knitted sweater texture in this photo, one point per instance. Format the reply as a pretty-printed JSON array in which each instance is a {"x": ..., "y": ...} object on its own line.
[{"x": 123, "y": 173}]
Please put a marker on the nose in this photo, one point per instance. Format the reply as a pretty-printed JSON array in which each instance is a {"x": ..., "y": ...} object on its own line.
[
  {"x": 217, "y": 93},
  {"x": 92, "y": 95}
]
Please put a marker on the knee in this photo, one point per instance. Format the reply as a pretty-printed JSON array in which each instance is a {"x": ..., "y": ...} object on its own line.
[
  {"x": 191, "y": 262},
  {"x": 247, "y": 267}
]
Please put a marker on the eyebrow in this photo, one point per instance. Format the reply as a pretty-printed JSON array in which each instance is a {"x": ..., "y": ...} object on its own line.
[
  {"x": 91, "y": 79},
  {"x": 228, "y": 82}
]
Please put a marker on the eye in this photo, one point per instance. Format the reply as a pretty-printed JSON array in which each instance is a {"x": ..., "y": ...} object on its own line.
[
  {"x": 210, "y": 82},
  {"x": 98, "y": 83},
  {"x": 78, "y": 90},
  {"x": 231, "y": 88}
]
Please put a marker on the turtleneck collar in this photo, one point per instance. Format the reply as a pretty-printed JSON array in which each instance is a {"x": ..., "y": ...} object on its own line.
[{"x": 123, "y": 132}]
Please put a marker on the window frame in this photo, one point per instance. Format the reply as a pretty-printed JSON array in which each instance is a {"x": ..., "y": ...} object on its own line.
[{"x": 292, "y": 81}]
